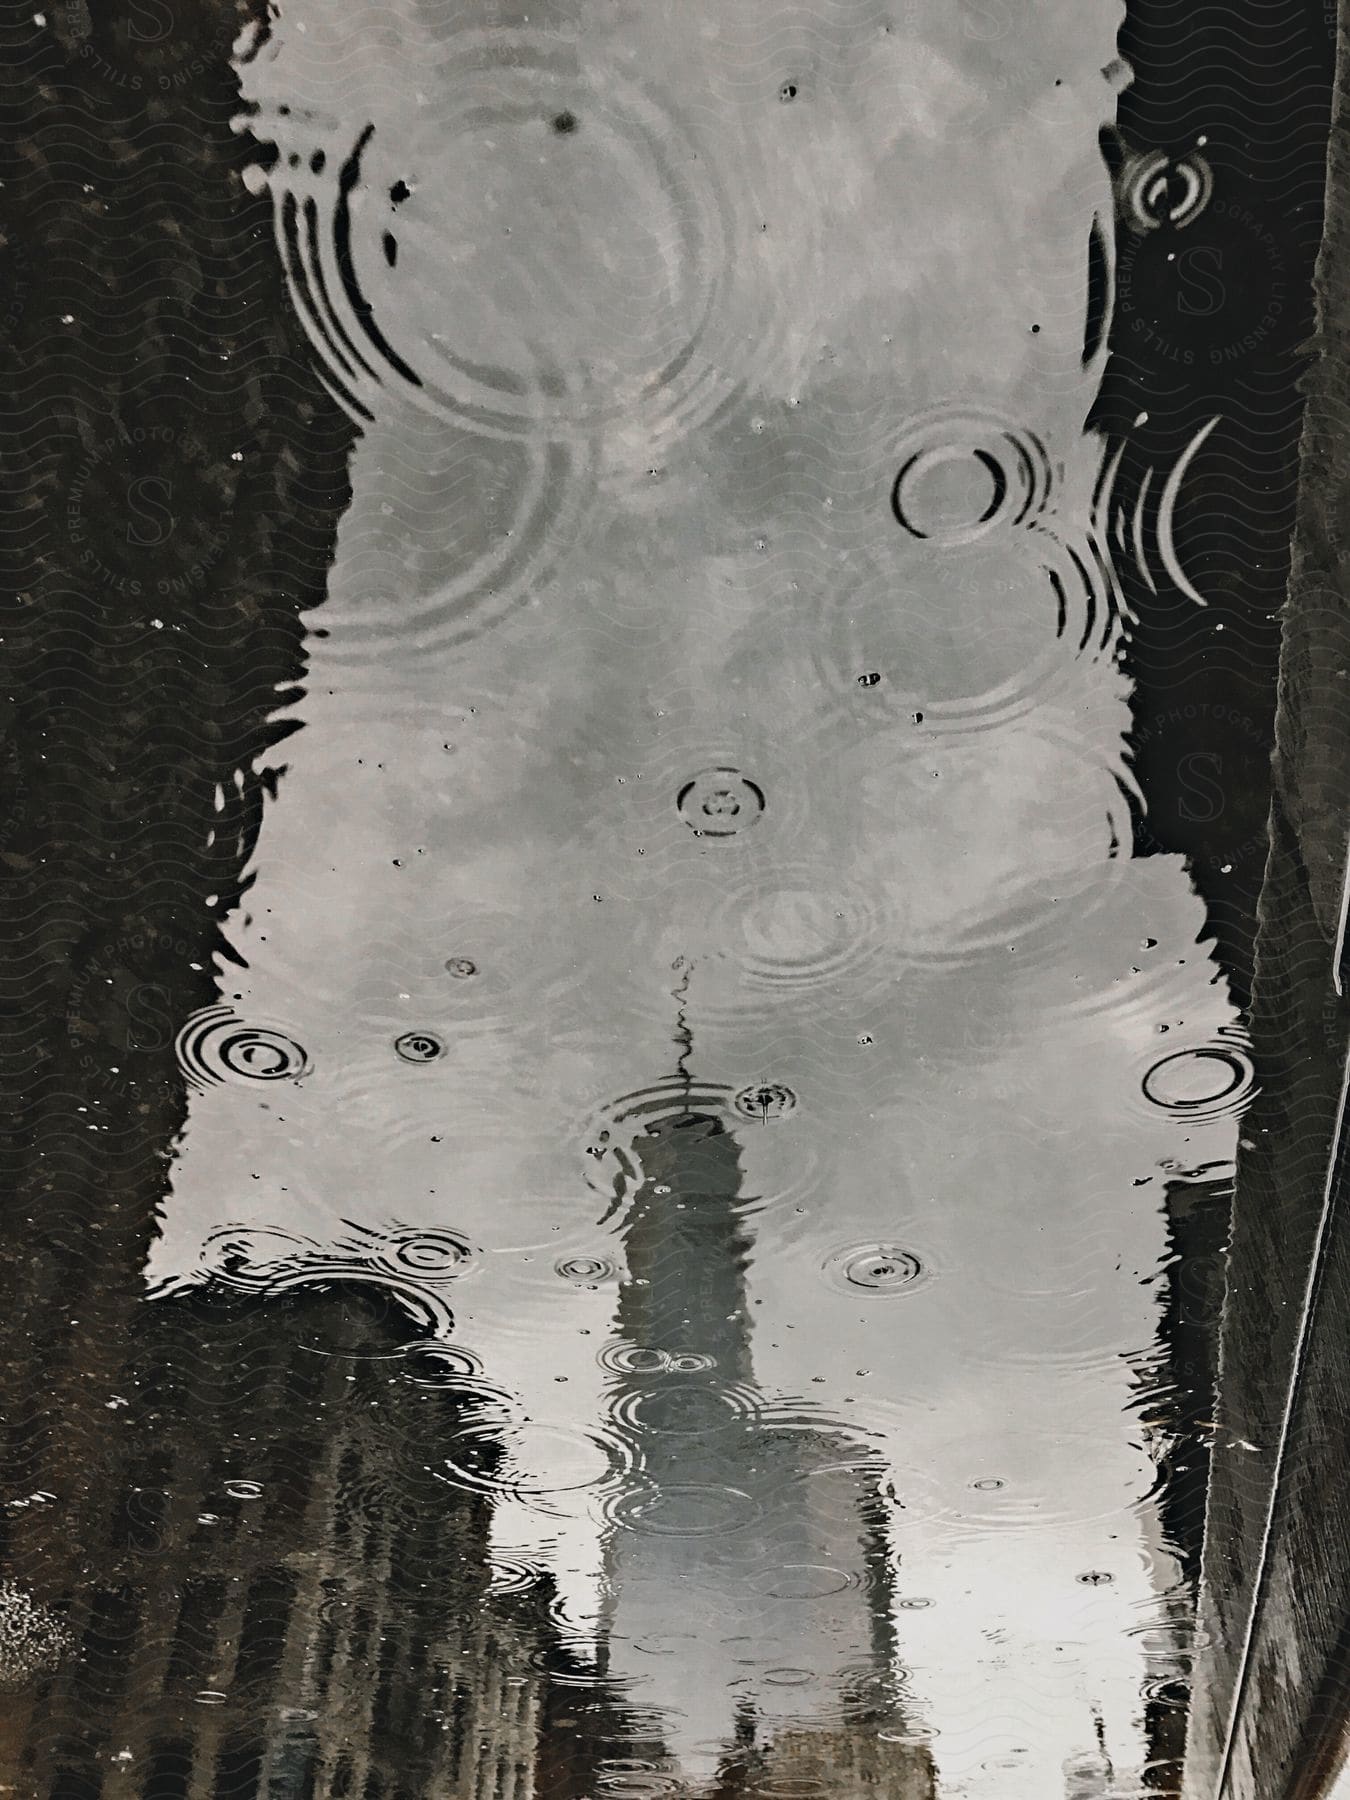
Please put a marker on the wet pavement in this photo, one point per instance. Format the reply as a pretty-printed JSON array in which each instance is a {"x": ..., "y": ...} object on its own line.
[{"x": 631, "y": 1101}]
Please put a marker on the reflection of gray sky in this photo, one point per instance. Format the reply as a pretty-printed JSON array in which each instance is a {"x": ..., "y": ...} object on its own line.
[{"x": 530, "y": 653}]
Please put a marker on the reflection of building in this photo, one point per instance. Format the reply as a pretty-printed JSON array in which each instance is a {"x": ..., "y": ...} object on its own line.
[
  {"x": 845, "y": 1765},
  {"x": 285, "y": 1598},
  {"x": 750, "y": 1591},
  {"x": 1177, "y": 1400}
]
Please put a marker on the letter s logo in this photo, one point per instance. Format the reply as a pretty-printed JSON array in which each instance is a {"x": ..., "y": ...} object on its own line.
[
  {"x": 1202, "y": 799},
  {"x": 1200, "y": 292},
  {"x": 150, "y": 23},
  {"x": 149, "y": 1022},
  {"x": 986, "y": 23},
  {"x": 148, "y": 498}
]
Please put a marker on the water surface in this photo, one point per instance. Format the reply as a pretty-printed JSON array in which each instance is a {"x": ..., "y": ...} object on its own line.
[{"x": 694, "y": 960}]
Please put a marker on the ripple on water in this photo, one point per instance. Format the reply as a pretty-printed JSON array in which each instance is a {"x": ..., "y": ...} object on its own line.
[
  {"x": 413, "y": 1265},
  {"x": 703, "y": 799},
  {"x": 430, "y": 1364},
  {"x": 641, "y": 1780},
  {"x": 635, "y": 1359},
  {"x": 698, "y": 1410},
  {"x": 1049, "y": 1481},
  {"x": 804, "y": 1581},
  {"x": 588, "y": 1271},
  {"x": 513, "y": 1574},
  {"x": 477, "y": 260},
  {"x": 418, "y": 1047},
  {"x": 421, "y": 1043},
  {"x": 449, "y": 535},
  {"x": 964, "y": 639},
  {"x": 764, "y": 1100},
  {"x": 454, "y": 986},
  {"x": 962, "y": 475},
  {"x": 1203, "y": 1083},
  {"x": 978, "y": 875},
  {"x": 885, "y": 1271},
  {"x": 626, "y": 1134},
  {"x": 612, "y": 1143},
  {"x": 456, "y": 1371},
  {"x": 536, "y": 1462},
  {"x": 632, "y": 1359},
  {"x": 422, "y": 1253},
  {"x": 1154, "y": 189},
  {"x": 375, "y": 1500},
  {"x": 795, "y": 930},
  {"x": 682, "y": 1509},
  {"x": 215, "y": 1045},
  {"x": 721, "y": 802}
]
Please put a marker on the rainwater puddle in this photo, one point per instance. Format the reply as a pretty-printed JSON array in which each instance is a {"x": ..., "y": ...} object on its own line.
[
  {"x": 722, "y": 662},
  {"x": 673, "y": 1218}
]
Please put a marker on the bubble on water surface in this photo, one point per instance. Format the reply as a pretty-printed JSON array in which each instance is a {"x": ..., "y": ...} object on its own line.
[
  {"x": 214, "y": 1045},
  {"x": 418, "y": 1047}
]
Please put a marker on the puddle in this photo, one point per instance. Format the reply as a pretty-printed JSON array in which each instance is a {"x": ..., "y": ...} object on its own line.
[
  {"x": 662, "y": 1286},
  {"x": 723, "y": 466}
]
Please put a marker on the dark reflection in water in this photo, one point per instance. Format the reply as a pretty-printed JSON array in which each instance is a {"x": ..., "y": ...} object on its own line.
[
  {"x": 281, "y": 1593},
  {"x": 693, "y": 1260},
  {"x": 755, "y": 1562}
]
